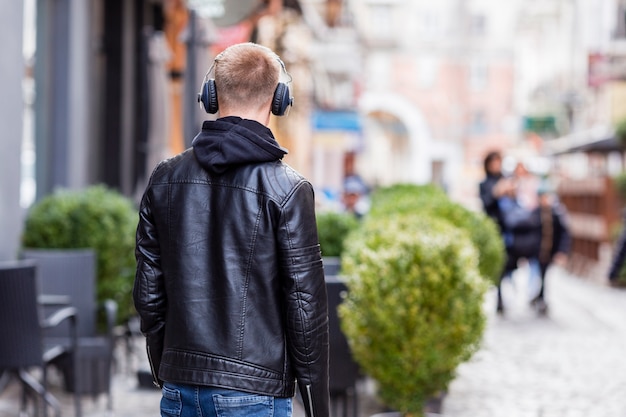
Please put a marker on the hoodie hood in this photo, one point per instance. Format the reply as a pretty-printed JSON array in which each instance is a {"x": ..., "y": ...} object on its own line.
[{"x": 231, "y": 141}]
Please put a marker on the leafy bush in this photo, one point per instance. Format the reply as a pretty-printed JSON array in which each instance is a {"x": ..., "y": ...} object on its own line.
[
  {"x": 97, "y": 218},
  {"x": 430, "y": 200},
  {"x": 413, "y": 311},
  {"x": 333, "y": 228}
]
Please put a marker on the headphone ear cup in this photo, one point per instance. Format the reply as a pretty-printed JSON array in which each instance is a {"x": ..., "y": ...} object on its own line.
[
  {"x": 212, "y": 94},
  {"x": 208, "y": 96},
  {"x": 281, "y": 100}
]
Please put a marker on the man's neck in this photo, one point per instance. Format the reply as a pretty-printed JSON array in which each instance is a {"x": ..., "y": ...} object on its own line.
[{"x": 262, "y": 117}]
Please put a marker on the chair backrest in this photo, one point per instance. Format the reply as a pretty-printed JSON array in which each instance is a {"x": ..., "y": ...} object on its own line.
[
  {"x": 72, "y": 273},
  {"x": 20, "y": 328}
]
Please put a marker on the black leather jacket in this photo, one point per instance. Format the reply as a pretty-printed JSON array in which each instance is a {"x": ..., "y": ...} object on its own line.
[{"x": 229, "y": 284}]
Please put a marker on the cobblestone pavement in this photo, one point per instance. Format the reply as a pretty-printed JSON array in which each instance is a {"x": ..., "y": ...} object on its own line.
[{"x": 568, "y": 363}]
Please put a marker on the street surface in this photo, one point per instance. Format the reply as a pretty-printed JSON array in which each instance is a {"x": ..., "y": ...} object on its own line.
[{"x": 568, "y": 363}]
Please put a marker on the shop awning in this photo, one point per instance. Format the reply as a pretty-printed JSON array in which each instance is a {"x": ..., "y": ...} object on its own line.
[
  {"x": 610, "y": 144},
  {"x": 597, "y": 139}
]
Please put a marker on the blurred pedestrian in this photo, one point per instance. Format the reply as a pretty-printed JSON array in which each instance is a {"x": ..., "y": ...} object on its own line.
[
  {"x": 355, "y": 196},
  {"x": 555, "y": 239},
  {"x": 487, "y": 188},
  {"x": 230, "y": 284},
  {"x": 493, "y": 189},
  {"x": 540, "y": 236},
  {"x": 619, "y": 254}
]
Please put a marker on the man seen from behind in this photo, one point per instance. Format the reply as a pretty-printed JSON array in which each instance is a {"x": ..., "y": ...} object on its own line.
[{"x": 229, "y": 284}]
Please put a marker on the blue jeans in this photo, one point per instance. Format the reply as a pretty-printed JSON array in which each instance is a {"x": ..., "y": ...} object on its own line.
[{"x": 180, "y": 400}]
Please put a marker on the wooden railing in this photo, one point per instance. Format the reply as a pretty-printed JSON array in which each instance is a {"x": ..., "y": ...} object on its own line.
[{"x": 594, "y": 213}]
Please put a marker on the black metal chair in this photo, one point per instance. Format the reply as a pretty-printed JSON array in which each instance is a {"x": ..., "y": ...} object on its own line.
[
  {"x": 344, "y": 371},
  {"x": 72, "y": 274},
  {"x": 22, "y": 344}
]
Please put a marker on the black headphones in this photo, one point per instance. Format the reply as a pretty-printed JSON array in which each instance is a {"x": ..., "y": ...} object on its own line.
[{"x": 281, "y": 100}]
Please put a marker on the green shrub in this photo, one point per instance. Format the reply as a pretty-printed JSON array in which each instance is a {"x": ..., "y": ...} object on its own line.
[
  {"x": 430, "y": 200},
  {"x": 332, "y": 229},
  {"x": 413, "y": 311},
  {"x": 97, "y": 218}
]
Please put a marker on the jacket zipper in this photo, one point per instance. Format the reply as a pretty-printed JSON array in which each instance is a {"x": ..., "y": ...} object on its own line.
[
  {"x": 155, "y": 380},
  {"x": 308, "y": 393}
]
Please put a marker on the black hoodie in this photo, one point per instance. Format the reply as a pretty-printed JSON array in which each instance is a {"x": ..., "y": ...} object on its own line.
[{"x": 231, "y": 141}]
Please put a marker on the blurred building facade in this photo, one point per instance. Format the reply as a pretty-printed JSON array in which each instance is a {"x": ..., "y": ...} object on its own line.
[
  {"x": 439, "y": 89},
  {"x": 114, "y": 84},
  {"x": 588, "y": 153},
  {"x": 389, "y": 90},
  {"x": 458, "y": 78}
]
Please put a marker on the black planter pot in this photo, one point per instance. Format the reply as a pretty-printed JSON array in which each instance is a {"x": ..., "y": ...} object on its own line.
[
  {"x": 332, "y": 265},
  {"x": 432, "y": 408},
  {"x": 399, "y": 414}
]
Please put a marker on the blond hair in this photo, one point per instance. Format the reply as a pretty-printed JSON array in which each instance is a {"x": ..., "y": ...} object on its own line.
[{"x": 246, "y": 76}]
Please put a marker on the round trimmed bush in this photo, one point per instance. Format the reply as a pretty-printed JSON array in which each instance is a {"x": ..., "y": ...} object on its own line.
[
  {"x": 96, "y": 217},
  {"x": 413, "y": 311}
]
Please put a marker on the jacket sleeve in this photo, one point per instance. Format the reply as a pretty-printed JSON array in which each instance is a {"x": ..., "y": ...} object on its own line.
[
  {"x": 148, "y": 291},
  {"x": 304, "y": 288}
]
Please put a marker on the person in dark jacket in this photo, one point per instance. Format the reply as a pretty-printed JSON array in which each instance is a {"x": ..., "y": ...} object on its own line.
[
  {"x": 619, "y": 254},
  {"x": 492, "y": 190},
  {"x": 488, "y": 191},
  {"x": 541, "y": 236},
  {"x": 230, "y": 283},
  {"x": 555, "y": 240}
]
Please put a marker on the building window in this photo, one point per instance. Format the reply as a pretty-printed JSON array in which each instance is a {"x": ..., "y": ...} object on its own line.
[
  {"x": 381, "y": 18},
  {"x": 426, "y": 72},
  {"x": 477, "y": 25},
  {"x": 478, "y": 76},
  {"x": 429, "y": 26},
  {"x": 478, "y": 124}
]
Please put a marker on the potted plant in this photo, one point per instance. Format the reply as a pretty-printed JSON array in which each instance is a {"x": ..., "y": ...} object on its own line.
[
  {"x": 333, "y": 228},
  {"x": 413, "y": 311},
  {"x": 97, "y": 218}
]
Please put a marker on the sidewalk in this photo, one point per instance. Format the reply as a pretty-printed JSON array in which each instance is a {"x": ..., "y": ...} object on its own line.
[{"x": 569, "y": 363}]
